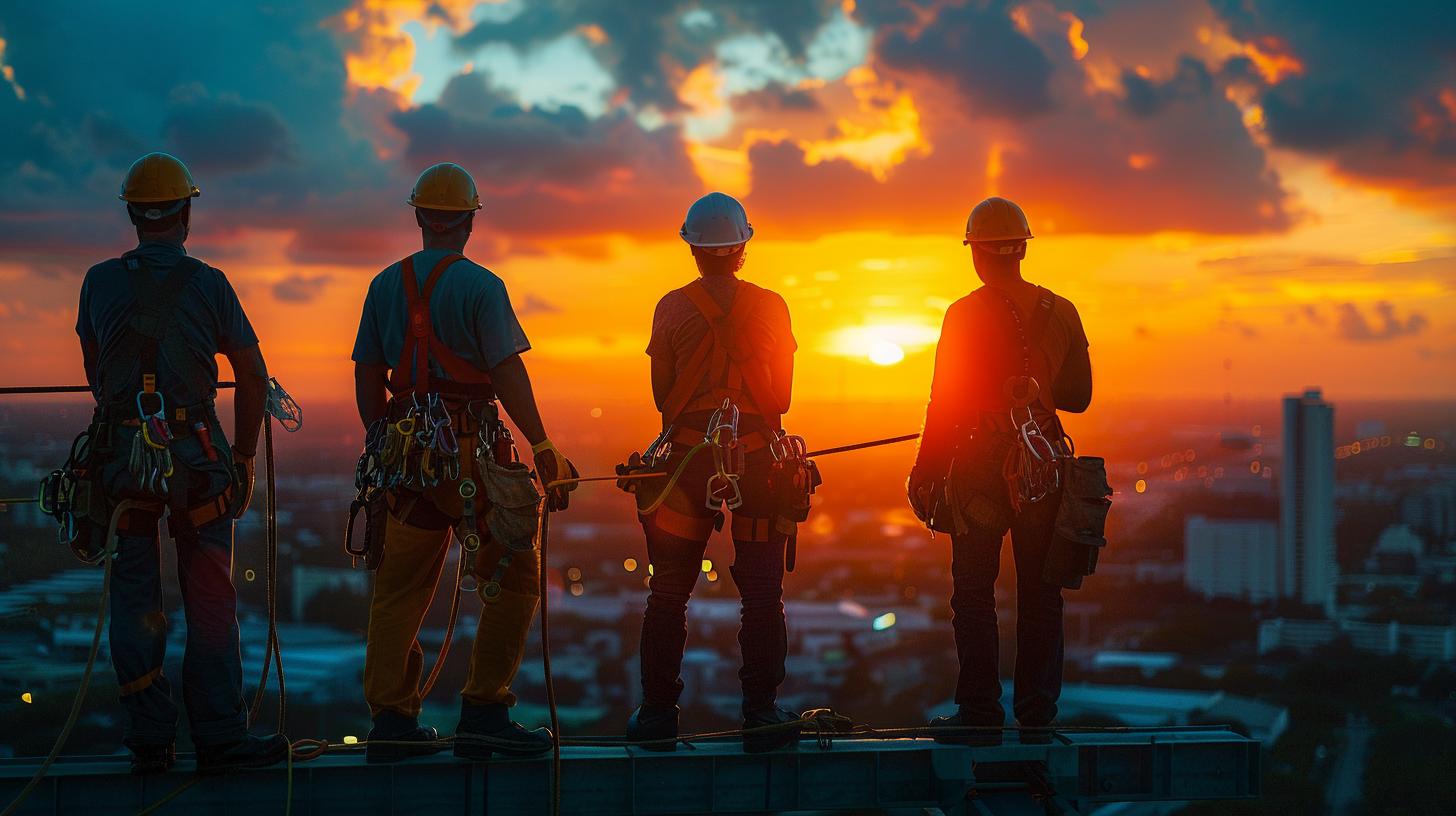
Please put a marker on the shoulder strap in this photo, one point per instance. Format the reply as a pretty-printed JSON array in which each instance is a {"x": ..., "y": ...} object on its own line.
[
  {"x": 720, "y": 352},
  {"x": 421, "y": 343},
  {"x": 700, "y": 363},
  {"x": 1041, "y": 314}
]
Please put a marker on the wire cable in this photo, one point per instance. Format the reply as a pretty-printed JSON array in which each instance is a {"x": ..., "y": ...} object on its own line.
[{"x": 70, "y": 389}]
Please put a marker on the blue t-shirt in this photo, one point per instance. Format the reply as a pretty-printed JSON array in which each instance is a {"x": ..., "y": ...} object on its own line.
[
  {"x": 469, "y": 309},
  {"x": 207, "y": 315}
]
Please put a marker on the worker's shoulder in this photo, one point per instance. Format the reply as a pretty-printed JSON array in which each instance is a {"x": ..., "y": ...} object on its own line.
[
  {"x": 767, "y": 297},
  {"x": 470, "y": 274},
  {"x": 1063, "y": 307}
]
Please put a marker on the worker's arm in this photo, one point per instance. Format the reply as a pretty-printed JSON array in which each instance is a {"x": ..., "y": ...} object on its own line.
[
  {"x": 664, "y": 376},
  {"x": 781, "y": 368},
  {"x": 250, "y": 399},
  {"x": 513, "y": 388},
  {"x": 949, "y": 392},
  {"x": 370, "y": 394},
  {"x": 1072, "y": 389},
  {"x": 90, "y": 353}
]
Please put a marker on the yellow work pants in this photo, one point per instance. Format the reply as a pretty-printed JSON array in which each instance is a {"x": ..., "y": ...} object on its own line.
[{"x": 404, "y": 587}]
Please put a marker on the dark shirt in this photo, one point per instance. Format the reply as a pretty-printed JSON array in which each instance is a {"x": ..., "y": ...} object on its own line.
[
  {"x": 979, "y": 350},
  {"x": 208, "y": 316}
]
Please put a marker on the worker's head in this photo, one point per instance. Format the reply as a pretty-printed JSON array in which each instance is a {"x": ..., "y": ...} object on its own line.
[
  {"x": 717, "y": 229},
  {"x": 445, "y": 201},
  {"x": 997, "y": 232},
  {"x": 158, "y": 191}
]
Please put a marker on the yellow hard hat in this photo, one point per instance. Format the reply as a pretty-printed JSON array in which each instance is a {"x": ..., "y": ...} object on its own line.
[
  {"x": 445, "y": 186},
  {"x": 157, "y": 177},
  {"x": 997, "y": 219}
]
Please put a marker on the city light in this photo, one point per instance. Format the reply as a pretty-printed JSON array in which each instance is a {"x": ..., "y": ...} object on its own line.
[
  {"x": 1141, "y": 486},
  {"x": 26, "y": 698},
  {"x": 630, "y": 565},
  {"x": 350, "y": 739},
  {"x": 712, "y": 575},
  {"x": 707, "y": 565},
  {"x": 577, "y": 590},
  {"x": 573, "y": 574},
  {"x": 883, "y": 622}
]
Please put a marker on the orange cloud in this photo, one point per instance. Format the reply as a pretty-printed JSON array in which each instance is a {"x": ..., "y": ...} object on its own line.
[
  {"x": 1075, "y": 27},
  {"x": 1272, "y": 59},
  {"x": 382, "y": 54},
  {"x": 7, "y": 72}
]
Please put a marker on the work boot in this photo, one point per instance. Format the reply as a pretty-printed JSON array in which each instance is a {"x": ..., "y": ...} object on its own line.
[
  {"x": 152, "y": 759},
  {"x": 977, "y": 731},
  {"x": 654, "y": 724},
  {"x": 488, "y": 729},
  {"x": 248, "y": 752},
  {"x": 397, "y": 736},
  {"x": 769, "y": 728}
]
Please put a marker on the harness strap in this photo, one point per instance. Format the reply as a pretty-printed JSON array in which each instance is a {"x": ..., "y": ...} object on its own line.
[
  {"x": 719, "y": 356},
  {"x": 754, "y": 530},
  {"x": 1041, "y": 315},
  {"x": 152, "y": 319},
  {"x": 422, "y": 345}
]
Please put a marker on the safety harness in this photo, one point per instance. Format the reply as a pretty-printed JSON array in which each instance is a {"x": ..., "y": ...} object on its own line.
[
  {"x": 731, "y": 360},
  {"x": 412, "y": 371}
]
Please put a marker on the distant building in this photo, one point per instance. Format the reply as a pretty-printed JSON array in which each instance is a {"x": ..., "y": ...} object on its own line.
[
  {"x": 1432, "y": 510},
  {"x": 1307, "y": 567},
  {"x": 1420, "y": 642},
  {"x": 1231, "y": 559}
]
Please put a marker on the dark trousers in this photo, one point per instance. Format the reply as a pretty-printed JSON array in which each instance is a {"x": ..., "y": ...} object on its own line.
[
  {"x": 1038, "y": 676},
  {"x": 212, "y": 682},
  {"x": 677, "y": 538}
]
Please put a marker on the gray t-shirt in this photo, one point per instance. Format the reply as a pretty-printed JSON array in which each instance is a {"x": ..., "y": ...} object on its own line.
[
  {"x": 208, "y": 316},
  {"x": 469, "y": 309}
]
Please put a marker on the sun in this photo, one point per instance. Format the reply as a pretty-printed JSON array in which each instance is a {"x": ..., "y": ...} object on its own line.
[{"x": 886, "y": 353}]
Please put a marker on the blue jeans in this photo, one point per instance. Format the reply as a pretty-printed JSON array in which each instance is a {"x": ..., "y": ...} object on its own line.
[{"x": 212, "y": 683}]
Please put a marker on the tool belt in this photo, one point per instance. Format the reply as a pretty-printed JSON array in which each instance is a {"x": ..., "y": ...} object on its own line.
[{"x": 1081, "y": 523}]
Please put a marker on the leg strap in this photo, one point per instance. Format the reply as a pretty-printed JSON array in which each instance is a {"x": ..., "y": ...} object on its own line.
[
  {"x": 752, "y": 529},
  {"x": 141, "y": 683},
  {"x": 682, "y": 525}
]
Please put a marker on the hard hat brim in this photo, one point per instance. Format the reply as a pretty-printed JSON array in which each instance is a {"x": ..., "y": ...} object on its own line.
[
  {"x": 715, "y": 244},
  {"x": 136, "y": 199},
  {"x": 443, "y": 207}
]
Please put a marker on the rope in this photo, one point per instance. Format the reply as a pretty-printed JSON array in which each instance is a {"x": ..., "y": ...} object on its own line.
[
  {"x": 892, "y": 440},
  {"x": 546, "y": 667},
  {"x": 109, "y": 558},
  {"x": 274, "y": 649},
  {"x": 674, "y": 479},
  {"x": 435, "y": 670},
  {"x": 69, "y": 389}
]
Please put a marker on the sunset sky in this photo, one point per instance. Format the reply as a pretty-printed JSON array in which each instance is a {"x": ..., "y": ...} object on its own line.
[{"x": 1243, "y": 196}]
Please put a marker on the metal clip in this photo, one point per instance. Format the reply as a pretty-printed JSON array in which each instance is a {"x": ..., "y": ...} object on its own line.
[{"x": 282, "y": 407}]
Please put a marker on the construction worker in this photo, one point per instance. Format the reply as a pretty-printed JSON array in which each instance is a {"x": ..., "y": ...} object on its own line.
[
  {"x": 980, "y": 400},
  {"x": 151, "y": 324},
  {"x": 719, "y": 346},
  {"x": 439, "y": 333}
]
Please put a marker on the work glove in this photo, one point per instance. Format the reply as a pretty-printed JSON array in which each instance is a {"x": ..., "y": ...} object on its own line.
[
  {"x": 633, "y": 465},
  {"x": 925, "y": 488},
  {"x": 244, "y": 474},
  {"x": 552, "y": 466}
]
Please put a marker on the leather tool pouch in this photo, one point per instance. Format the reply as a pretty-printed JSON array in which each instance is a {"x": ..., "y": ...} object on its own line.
[
  {"x": 1081, "y": 525},
  {"x": 515, "y": 504},
  {"x": 376, "y": 517}
]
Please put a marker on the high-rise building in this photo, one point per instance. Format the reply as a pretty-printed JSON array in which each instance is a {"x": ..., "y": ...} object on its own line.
[
  {"x": 1231, "y": 558},
  {"x": 1307, "y": 567}
]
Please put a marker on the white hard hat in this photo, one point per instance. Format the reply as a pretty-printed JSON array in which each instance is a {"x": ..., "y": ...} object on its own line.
[{"x": 716, "y": 220}]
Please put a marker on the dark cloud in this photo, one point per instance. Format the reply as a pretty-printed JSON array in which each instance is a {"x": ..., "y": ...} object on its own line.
[
  {"x": 647, "y": 48},
  {"x": 777, "y": 98},
  {"x": 998, "y": 70},
  {"x": 1370, "y": 93},
  {"x": 1145, "y": 97},
  {"x": 301, "y": 288},
  {"x": 1384, "y": 324},
  {"x": 224, "y": 134},
  {"x": 553, "y": 172},
  {"x": 534, "y": 304}
]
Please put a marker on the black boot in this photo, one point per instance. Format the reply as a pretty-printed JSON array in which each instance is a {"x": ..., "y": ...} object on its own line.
[
  {"x": 152, "y": 759},
  {"x": 961, "y": 729},
  {"x": 487, "y": 729},
  {"x": 397, "y": 736},
  {"x": 769, "y": 728},
  {"x": 249, "y": 752},
  {"x": 655, "y": 725}
]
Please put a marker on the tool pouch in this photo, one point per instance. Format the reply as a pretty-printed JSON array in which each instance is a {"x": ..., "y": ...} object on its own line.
[
  {"x": 1081, "y": 525},
  {"x": 514, "y": 515},
  {"x": 791, "y": 483},
  {"x": 975, "y": 490}
]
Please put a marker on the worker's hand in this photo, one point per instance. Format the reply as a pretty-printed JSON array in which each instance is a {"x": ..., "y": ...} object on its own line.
[
  {"x": 552, "y": 466},
  {"x": 924, "y": 488},
  {"x": 244, "y": 474},
  {"x": 634, "y": 465}
]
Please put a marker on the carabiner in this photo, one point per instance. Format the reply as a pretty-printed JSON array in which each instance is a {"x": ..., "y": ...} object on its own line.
[{"x": 283, "y": 407}]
